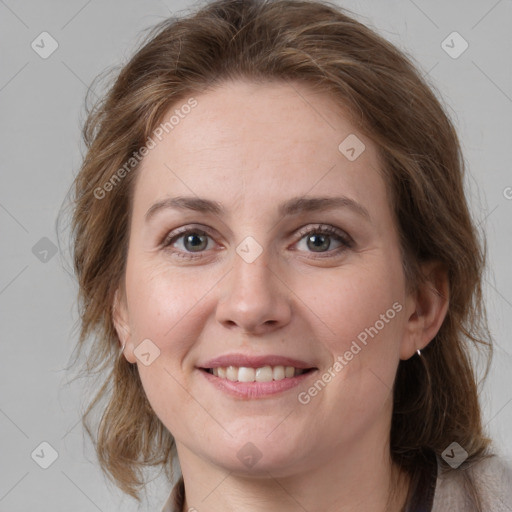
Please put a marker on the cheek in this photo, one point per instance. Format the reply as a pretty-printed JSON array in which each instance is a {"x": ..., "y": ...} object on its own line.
[
  {"x": 167, "y": 308},
  {"x": 164, "y": 306},
  {"x": 170, "y": 400},
  {"x": 360, "y": 319},
  {"x": 360, "y": 322},
  {"x": 351, "y": 303}
]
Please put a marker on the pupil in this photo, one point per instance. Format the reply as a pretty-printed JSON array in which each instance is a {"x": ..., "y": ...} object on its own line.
[
  {"x": 198, "y": 243},
  {"x": 319, "y": 242}
]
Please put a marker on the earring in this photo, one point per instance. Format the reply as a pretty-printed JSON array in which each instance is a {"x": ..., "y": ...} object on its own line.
[{"x": 418, "y": 351}]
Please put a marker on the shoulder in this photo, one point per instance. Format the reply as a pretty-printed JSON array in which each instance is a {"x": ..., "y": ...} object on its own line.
[{"x": 492, "y": 477}]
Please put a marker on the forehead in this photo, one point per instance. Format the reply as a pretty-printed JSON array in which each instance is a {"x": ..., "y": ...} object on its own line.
[{"x": 250, "y": 144}]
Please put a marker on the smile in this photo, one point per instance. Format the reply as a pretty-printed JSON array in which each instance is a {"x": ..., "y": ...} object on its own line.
[
  {"x": 262, "y": 374},
  {"x": 250, "y": 376}
]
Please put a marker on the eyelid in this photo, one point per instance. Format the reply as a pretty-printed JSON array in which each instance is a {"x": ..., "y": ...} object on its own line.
[
  {"x": 327, "y": 229},
  {"x": 176, "y": 233}
]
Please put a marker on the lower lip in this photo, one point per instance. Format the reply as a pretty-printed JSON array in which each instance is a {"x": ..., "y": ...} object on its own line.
[{"x": 251, "y": 390}]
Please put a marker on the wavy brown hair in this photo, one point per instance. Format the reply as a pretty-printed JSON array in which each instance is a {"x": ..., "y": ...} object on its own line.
[{"x": 318, "y": 44}]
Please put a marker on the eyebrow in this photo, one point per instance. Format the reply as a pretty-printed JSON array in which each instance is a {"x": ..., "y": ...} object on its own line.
[{"x": 294, "y": 206}]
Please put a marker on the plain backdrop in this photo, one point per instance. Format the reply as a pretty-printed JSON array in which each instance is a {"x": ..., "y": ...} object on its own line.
[{"x": 42, "y": 108}]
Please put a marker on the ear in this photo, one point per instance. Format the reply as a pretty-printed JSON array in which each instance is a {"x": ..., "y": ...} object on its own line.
[
  {"x": 426, "y": 309},
  {"x": 122, "y": 325}
]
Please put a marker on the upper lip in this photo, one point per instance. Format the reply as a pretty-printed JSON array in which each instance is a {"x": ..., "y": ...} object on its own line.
[{"x": 242, "y": 360}]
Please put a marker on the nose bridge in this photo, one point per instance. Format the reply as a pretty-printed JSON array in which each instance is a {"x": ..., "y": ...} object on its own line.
[
  {"x": 251, "y": 266},
  {"x": 252, "y": 297}
]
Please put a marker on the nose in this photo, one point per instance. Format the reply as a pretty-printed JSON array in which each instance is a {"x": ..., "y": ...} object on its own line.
[{"x": 254, "y": 297}]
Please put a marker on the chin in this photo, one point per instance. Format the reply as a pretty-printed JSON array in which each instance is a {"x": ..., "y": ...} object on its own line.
[{"x": 258, "y": 456}]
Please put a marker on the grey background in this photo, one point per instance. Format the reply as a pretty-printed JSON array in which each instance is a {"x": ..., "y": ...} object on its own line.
[{"x": 41, "y": 105}]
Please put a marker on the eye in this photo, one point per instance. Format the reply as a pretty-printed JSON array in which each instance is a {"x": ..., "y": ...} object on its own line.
[
  {"x": 187, "y": 241},
  {"x": 319, "y": 239},
  {"x": 184, "y": 242}
]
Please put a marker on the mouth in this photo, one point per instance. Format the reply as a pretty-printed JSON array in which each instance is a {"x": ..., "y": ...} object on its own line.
[
  {"x": 261, "y": 374},
  {"x": 252, "y": 377}
]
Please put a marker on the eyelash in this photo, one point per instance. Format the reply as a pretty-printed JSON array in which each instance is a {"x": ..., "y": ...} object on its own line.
[{"x": 322, "y": 229}]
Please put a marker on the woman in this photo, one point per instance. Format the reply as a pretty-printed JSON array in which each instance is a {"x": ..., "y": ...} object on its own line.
[{"x": 270, "y": 222}]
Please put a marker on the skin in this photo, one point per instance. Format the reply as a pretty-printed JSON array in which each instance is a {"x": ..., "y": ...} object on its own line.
[{"x": 251, "y": 147}]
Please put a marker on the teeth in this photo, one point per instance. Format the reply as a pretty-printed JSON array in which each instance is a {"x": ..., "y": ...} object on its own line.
[
  {"x": 246, "y": 374},
  {"x": 232, "y": 373},
  {"x": 278, "y": 373},
  {"x": 263, "y": 374}
]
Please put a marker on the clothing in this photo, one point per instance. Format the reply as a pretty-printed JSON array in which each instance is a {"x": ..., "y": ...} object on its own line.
[
  {"x": 437, "y": 491},
  {"x": 494, "y": 479}
]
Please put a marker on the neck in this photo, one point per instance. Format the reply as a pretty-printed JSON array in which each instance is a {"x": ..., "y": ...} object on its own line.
[{"x": 362, "y": 478}]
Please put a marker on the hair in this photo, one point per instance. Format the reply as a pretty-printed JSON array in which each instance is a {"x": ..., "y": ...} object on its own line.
[{"x": 317, "y": 44}]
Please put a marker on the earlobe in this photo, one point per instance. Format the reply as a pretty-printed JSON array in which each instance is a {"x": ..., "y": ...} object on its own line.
[{"x": 427, "y": 311}]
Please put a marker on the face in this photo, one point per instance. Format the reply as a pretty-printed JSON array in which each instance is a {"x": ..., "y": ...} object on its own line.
[{"x": 285, "y": 254}]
